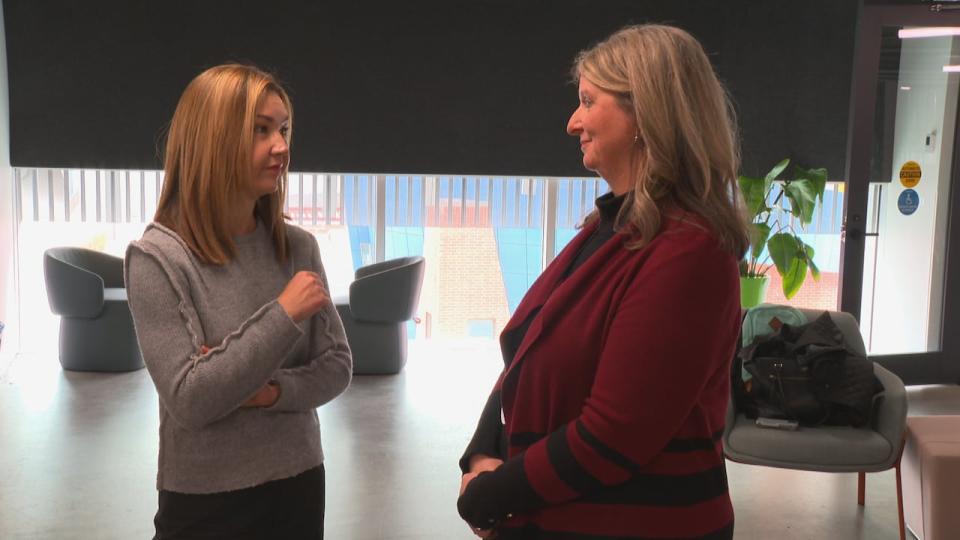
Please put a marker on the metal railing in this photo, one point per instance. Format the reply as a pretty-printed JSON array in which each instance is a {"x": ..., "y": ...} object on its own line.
[
  {"x": 84, "y": 195},
  {"x": 322, "y": 199}
]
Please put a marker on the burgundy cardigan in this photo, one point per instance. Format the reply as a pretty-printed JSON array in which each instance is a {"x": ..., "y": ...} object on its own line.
[{"x": 615, "y": 401}]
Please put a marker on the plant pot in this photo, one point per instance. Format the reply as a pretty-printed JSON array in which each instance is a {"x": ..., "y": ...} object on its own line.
[{"x": 753, "y": 290}]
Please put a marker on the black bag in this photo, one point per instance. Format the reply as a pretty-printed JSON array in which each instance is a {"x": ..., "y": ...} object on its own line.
[{"x": 807, "y": 373}]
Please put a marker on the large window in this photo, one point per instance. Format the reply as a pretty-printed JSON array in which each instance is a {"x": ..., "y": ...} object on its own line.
[
  {"x": 482, "y": 238},
  {"x": 336, "y": 209},
  {"x": 486, "y": 239}
]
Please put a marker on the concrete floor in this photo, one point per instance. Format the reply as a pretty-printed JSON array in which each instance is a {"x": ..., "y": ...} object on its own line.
[{"x": 78, "y": 457}]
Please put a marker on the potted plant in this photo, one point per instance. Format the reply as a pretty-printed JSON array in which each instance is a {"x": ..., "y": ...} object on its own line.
[{"x": 774, "y": 237}]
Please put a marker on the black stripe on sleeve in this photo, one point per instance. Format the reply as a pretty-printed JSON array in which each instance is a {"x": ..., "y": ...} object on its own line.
[
  {"x": 664, "y": 489},
  {"x": 605, "y": 451},
  {"x": 566, "y": 465},
  {"x": 678, "y": 446},
  {"x": 525, "y": 439}
]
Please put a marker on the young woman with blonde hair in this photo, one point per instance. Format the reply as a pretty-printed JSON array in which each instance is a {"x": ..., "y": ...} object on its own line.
[
  {"x": 234, "y": 321},
  {"x": 606, "y": 420}
]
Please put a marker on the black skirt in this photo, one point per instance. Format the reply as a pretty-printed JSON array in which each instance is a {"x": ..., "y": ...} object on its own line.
[{"x": 291, "y": 508}]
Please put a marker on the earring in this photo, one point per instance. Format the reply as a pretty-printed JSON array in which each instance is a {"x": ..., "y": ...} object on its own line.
[{"x": 636, "y": 138}]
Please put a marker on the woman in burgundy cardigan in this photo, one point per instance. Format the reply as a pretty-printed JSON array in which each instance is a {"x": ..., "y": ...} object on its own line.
[{"x": 606, "y": 421}]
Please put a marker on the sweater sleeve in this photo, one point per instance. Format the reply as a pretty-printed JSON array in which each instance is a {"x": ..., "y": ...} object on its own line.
[
  {"x": 667, "y": 340},
  {"x": 329, "y": 369},
  {"x": 198, "y": 388},
  {"x": 487, "y": 437}
]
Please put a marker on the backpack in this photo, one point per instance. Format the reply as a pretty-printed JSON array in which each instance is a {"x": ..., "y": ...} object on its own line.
[
  {"x": 766, "y": 318},
  {"x": 763, "y": 320},
  {"x": 807, "y": 373}
]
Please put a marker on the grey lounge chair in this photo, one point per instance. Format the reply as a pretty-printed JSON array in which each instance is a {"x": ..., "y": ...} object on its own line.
[
  {"x": 382, "y": 299},
  {"x": 86, "y": 289},
  {"x": 829, "y": 448}
]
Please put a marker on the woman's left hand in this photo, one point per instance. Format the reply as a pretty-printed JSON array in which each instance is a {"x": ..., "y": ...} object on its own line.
[{"x": 265, "y": 397}]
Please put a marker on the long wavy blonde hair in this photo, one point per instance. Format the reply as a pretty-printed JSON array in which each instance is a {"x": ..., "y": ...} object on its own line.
[
  {"x": 208, "y": 160},
  {"x": 690, "y": 155}
]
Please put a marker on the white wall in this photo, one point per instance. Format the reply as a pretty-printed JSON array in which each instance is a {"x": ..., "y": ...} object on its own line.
[
  {"x": 909, "y": 282},
  {"x": 8, "y": 311}
]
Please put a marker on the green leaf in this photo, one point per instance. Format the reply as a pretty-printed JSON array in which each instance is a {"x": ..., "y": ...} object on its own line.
[
  {"x": 754, "y": 195},
  {"x": 783, "y": 250},
  {"x": 761, "y": 231},
  {"x": 816, "y": 177},
  {"x": 793, "y": 278},
  {"x": 777, "y": 169},
  {"x": 814, "y": 271},
  {"x": 803, "y": 199},
  {"x": 792, "y": 257}
]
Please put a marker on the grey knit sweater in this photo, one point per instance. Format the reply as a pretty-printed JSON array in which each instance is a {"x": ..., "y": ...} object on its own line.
[{"x": 208, "y": 442}]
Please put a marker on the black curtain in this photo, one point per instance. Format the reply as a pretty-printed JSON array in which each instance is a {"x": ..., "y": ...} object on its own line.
[{"x": 478, "y": 87}]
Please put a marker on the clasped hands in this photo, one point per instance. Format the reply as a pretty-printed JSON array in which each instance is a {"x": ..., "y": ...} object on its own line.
[{"x": 480, "y": 464}]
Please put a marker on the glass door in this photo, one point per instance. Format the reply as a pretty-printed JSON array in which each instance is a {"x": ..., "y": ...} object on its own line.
[{"x": 902, "y": 230}]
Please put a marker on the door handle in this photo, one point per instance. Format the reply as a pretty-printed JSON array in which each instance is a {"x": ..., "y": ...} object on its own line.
[{"x": 851, "y": 232}]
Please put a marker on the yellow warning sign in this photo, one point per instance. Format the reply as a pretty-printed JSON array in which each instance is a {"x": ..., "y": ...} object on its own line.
[{"x": 910, "y": 174}]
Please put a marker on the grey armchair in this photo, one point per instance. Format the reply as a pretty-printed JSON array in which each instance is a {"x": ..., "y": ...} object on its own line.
[
  {"x": 829, "y": 448},
  {"x": 382, "y": 299},
  {"x": 86, "y": 289}
]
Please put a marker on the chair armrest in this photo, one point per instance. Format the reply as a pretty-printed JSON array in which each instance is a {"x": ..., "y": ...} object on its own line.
[
  {"x": 71, "y": 290},
  {"x": 891, "y": 416},
  {"x": 115, "y": 294},
  {"x": 731, "y": 418},
  {"x": 389, "y": 295},
  {"x": 108, "y": 267},
  {"x": 376, "y": 268}
]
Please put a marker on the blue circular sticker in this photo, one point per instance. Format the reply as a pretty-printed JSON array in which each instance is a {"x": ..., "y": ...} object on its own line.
[{"x": 908, "y": 201}]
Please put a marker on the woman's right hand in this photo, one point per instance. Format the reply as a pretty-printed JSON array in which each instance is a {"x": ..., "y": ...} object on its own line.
[
  {"x": 303, "y": 296},
  {"x": 478, "y": 464}
]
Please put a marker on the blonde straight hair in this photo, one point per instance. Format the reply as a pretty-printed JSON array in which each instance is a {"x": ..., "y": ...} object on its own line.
[
  {"x": 208, "y": 159},
  {"x": 686, "y": 129}
]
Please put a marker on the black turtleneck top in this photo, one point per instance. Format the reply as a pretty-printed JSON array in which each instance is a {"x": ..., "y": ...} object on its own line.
[{"x": 608, "y": 206}]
